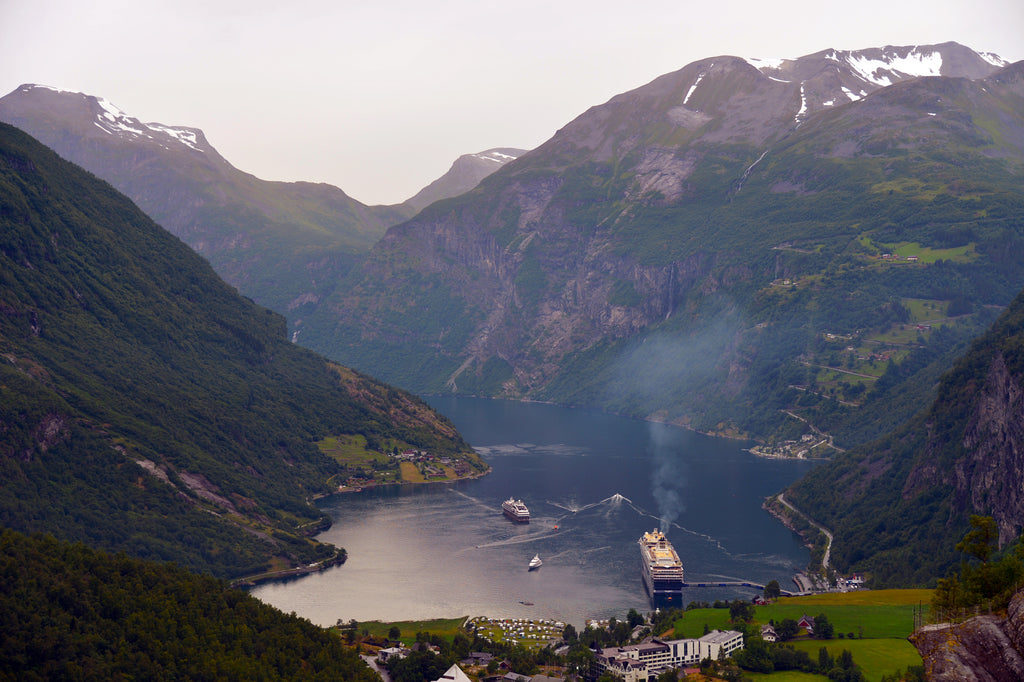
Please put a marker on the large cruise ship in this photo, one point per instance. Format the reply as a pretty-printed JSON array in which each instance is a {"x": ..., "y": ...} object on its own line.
[
  {"x": 662, "y": 569},
  {"x": 516, "y": 510}
]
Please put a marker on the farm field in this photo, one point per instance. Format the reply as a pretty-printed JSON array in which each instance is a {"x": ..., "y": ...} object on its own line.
[{"x": 874, "y": 626}]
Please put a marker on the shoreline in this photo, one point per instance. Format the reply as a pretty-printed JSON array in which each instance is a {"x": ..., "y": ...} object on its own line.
[
  {"x": 344, "y": 490},
  {"x": 340, "y": 556}
]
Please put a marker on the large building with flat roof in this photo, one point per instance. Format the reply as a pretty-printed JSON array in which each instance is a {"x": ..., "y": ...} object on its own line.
[{"x": 644, "y": 662}]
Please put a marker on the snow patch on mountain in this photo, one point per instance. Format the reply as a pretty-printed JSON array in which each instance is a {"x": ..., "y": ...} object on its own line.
[
  {"x": 184, "y": 135},
  {"x": 494, "y": 156},
  {"x": 693, "y": 87},
  {"x": 852, "y": 95},
  {"x": 993, "y": 59},
  {"x": 761, "y": 63},
  {"x": 113, "y": 121},
  {"x": 26, "y": 88},
  {"x": 914, "y": 64}
]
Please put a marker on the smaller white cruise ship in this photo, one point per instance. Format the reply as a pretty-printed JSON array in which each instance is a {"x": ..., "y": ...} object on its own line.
[{"x": 516, "y": 510}]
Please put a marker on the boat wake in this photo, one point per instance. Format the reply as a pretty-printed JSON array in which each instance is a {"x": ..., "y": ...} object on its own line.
[
  {"x": 617, "y": 500},
  {"x": 519, "y": 540},
  {"x": 574, "y": 508},
  {"x": 695, "y": 534},
  {"x": 476, "y": 501},
  {"x": 714, "y": 541}
]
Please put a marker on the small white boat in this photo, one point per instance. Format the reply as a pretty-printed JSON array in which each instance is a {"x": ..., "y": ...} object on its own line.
[{"x": 535, "y": 562}]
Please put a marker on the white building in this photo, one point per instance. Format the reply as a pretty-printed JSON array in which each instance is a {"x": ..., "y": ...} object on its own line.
[{"x": 642, "y": 662}]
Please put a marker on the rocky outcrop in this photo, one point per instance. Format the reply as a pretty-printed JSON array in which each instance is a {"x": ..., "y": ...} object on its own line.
[
  {"x": 983, "y": 649},
  {"x": 986, "y": 471},
  {"x": 991, "y": 475}
]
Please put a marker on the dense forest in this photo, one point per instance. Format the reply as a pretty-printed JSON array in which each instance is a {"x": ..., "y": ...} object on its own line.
[{"x": 71, "y": 612}]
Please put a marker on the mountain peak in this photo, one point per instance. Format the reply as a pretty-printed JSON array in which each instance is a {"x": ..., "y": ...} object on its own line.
[
  {"x": 883, "y": 66},
  {"x": 833, "y": 77},
  {"x": 465, "y": 173},
  {"x": 103, "y": 116}
]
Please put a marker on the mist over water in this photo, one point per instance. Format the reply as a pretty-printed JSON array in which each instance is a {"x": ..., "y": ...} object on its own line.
[{"x": 594, "y": 484}]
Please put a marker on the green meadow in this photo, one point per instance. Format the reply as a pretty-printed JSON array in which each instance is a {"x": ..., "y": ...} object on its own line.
[
  {"x": 443, "y": 627},
  {"x": 872, "y": 624}
]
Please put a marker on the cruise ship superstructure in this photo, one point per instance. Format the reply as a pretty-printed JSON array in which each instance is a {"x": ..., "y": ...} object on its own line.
[
  {"x": 661, "y": 568},
  {"x": 516, "y": 510}
]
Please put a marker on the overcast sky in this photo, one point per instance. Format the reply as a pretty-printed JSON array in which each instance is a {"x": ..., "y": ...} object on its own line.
[{"x": 378, "y": 97}]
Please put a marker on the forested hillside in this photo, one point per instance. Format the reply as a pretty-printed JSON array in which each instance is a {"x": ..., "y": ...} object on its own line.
[
  {"x": 145, "y": 406},
  {"x": 898, "y": 505},
  {"x": 71, "y": 612}
]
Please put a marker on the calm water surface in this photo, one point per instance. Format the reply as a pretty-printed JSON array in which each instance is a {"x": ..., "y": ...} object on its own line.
[{"x": 593, "y": 483}]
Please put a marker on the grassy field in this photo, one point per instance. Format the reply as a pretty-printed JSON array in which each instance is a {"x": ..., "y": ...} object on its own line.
[
  {"x": 925, "y": 310},
  {"x": 878, "y": 620},
  {"x": 959, "y": 254},
  {"x": 903, "y": 250},
  {"x": 785, "y": 676},
  {"x": 876, "y": 657},
  {"x": 859, "y": 621},
  {"x": 410, "y": 474},
  {"x": 865, "y": 598},
  {"x": 444, "y": 627}
]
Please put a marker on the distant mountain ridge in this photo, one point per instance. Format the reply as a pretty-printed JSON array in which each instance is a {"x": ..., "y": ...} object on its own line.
[
  {"x": 465, "y": 174},
  {"x": 681, "y": 251},
  {"x": 279, "y": 243},
  {"x": 283, "y": 244}
]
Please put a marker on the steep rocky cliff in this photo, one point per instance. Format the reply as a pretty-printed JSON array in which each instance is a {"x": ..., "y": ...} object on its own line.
[
  {"x": 983, "y": 649},
  {"x": 991, "y": 475}
]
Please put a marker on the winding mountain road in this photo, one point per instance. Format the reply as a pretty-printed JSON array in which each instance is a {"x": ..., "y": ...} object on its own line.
[{"x": 828, "y": 534}]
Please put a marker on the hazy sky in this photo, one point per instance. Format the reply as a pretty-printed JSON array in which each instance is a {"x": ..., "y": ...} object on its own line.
[{"x": 379, "y": 97}]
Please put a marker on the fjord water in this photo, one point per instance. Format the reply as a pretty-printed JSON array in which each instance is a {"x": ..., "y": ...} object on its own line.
[{"x": 593, "y": 482}]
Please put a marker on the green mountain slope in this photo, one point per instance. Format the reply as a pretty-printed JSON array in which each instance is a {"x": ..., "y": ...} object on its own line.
[
  {"x": 147, "y": 407},
  {"x": 899, "y": 505},
  {"x": 721, "y": 248},
  {"x": 70, "y": 612}
]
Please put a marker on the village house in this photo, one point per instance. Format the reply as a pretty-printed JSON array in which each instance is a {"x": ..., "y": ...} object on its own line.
[
  {"x": 478, "y": 658},
  {"x": 385, "y": 655}
]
